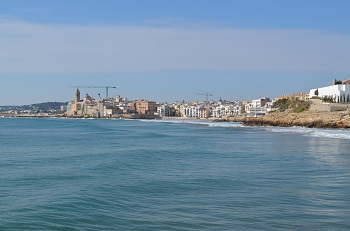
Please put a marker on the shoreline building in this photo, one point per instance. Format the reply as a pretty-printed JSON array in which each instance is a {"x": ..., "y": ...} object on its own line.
[
  {"x": 86, "y": 107},
  {"x": 165, "y": 110},
  {"x": 339, "y": 92},
  {"x": 201, "y": 110},
  {"x": 90, "y": 107},
  {"x": 258, "y": 107},
  {"x": 74, "y": 107},
  {"x": 145, "y": 107}
]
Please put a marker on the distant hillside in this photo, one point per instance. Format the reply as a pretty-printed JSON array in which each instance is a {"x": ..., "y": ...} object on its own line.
[{"x": 48, "y": 106}]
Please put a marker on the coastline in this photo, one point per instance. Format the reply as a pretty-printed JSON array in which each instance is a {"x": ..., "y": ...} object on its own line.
[
  {"x": 310, "y": 119},
  {"x": 210, "y": 119}
]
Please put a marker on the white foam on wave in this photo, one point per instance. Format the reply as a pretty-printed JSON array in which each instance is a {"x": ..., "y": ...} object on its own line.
[
  {"x": 314, "y": 132},
  {"x": 341, "y": 134},
  {"x": 195, "y": 122},
  {"x": 311, "y": 132},
  {"x": 225, "y": 124}
]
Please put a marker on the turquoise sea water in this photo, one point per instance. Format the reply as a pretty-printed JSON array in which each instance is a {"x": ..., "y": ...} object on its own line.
[{"x": 65, "y": 174}]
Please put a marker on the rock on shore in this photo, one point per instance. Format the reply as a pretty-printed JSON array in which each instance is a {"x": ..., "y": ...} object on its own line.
[{"x": 340, "y": 119}]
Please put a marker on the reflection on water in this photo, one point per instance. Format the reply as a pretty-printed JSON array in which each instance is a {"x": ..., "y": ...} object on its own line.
[{"x": 329, "y": 151}]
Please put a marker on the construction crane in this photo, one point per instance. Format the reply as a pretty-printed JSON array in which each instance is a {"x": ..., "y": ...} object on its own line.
[
  {"x": 106, "y": 87},
  {"x": 206, "y": 94}
]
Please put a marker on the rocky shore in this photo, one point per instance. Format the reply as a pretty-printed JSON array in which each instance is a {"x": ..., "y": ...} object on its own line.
[{"x": 340, "y": 119}]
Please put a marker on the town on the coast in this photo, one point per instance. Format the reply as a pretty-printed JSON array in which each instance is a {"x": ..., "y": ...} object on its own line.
[{"x": 335, "y": 97}]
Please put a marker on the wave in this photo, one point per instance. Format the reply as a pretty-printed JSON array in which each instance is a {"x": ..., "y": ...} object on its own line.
[
  {"x": 195, "y": 122},
  {"x": 314, "y": 132},
  {"x": 311, "y": 132}
]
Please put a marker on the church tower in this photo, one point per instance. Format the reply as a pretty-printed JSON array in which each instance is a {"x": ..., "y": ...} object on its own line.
[{"x": 77, "y": 95}]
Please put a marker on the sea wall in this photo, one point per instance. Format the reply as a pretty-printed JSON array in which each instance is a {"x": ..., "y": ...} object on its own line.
[
  {"x": 304, "y": 119},
  {"x": 329, "y": 107}
]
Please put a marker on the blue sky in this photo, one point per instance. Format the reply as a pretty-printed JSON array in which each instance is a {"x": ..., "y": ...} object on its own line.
[{"x": 166, "y": 50}]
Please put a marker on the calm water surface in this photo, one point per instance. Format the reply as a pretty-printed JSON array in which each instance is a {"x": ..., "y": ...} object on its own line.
[{"x": 63, "y": 174}]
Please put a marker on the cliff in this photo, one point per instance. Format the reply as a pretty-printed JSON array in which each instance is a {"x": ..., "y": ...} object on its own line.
[{"x": 340, "y": 119}]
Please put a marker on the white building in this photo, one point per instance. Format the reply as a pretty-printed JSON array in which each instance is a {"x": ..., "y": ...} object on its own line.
[
  {"x": 164, "y": 110},
  {"x": 191, "y": 111},
  {"x": 223, "y": 110},
  {"x": 339, "y": 92},
  {"x": 258, "y": 107},
  {"x": 238, "y": 109}
]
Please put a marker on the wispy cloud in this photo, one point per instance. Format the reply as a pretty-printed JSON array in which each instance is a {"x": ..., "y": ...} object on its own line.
[{"x": 52, "y": 48}]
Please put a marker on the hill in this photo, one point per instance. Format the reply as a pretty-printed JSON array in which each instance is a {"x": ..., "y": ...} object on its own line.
[{"x": 45, "y": 107}]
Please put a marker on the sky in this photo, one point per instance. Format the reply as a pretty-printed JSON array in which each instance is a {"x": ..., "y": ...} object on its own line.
[{"x": 168, "y": 50}]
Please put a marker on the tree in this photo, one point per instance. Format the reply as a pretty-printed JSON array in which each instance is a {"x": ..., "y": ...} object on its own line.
[{"x": 316, "y": 92}]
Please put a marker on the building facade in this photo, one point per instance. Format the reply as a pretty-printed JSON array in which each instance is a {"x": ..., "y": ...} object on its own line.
[
  {"x": 258, "y": 107},
  {"x": 340, "y": 93},
  {"x": 145, "y": 107}
]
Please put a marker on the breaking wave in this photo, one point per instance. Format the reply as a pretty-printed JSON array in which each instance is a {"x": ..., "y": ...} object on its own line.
[
  {"x": 195, "y": 122},
  {"x": 311, "y": 132},
  {"x": 314, "y": 132}
]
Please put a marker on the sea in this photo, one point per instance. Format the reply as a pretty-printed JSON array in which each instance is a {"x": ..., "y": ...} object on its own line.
[{"x": 111, "y": 174}]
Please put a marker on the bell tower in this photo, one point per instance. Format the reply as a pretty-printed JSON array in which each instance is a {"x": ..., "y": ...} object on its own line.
[{"x": 77, "y": 95}]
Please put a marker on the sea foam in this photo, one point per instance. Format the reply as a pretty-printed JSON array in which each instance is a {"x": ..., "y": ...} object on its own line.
[
  {"x": 198, "y": 122},
  {"x": 311, "y": 132},
  {"x": 314, "y": 132}
]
